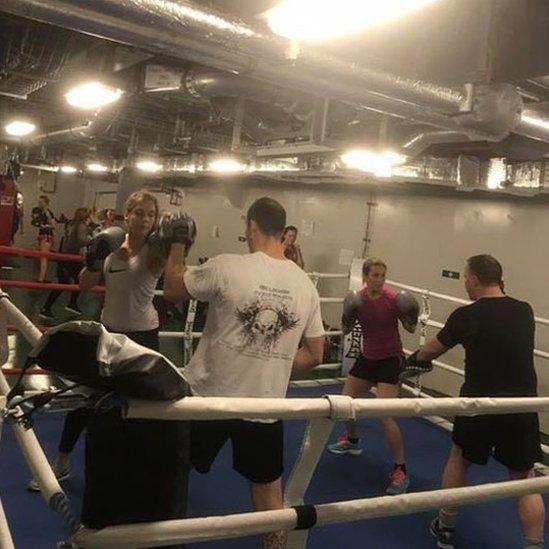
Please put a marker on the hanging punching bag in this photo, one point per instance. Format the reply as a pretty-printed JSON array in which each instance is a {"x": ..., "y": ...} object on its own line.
[{"x": 7, "y": 212}]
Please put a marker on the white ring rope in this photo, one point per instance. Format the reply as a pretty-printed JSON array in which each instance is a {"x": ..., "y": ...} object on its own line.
[
  {"x": 244, "y": 524},
  {"x": 201, "y": 408},
  {"x": 323, "y": 411}
]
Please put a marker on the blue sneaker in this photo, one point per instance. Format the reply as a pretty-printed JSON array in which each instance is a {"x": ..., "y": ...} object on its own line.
[
  {"x": 444, "y": 536},
  {"x": 400, "y": 482},
  {"x": 344, "y": 446}
]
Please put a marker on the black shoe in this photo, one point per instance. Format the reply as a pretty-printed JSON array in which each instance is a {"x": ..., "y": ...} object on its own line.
[
  {"x": 444, "y": 536},
  {"x": 45, "y": 314}
]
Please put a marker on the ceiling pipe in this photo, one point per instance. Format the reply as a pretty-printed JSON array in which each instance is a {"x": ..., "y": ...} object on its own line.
[
  {"x": 206, "y": 83},
  {"x": 420, "y": 142},
  {"x": 99, "y": 124},
  {"x": 190, "y": 31},
  {"x": 186, "y": 29}
]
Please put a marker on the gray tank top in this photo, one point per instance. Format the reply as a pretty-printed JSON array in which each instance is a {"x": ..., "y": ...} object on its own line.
[{"x": 129, "y": 293}]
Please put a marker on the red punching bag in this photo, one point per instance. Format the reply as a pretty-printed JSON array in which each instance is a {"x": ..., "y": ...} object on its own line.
[{"x": 7, "y": 211}]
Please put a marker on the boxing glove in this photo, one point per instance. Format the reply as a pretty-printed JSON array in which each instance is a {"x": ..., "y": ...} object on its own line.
[
  {"x": 101, "y": 245},
  {"x": 414, "y": 367},
  {"x": 407, "y": 307},
  {"x": 178, "y": 229},
  {"x": 351, "y": 307}
]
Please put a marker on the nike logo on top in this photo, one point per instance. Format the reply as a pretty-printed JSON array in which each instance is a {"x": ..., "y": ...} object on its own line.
[{"x": 117, "y": 270}]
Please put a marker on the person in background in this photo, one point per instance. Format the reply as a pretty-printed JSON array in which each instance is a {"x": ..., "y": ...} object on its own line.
[
  {"x": 18, "y": 214},
  {"x": 43, "y": 219},
  {"x": 76, "y": 237},
  {"x": 292, "y": 250}
]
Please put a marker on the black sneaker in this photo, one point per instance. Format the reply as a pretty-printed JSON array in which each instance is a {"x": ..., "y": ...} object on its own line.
[
  {"x": 74, "y": 310},
  {"x": 45, "y": 314},
  {"x": 444, "y": 536}
]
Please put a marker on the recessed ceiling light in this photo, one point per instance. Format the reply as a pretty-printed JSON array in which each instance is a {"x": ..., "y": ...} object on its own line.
[
  {"x": 321, "y": 20},
  {"x": 19, "y": 128},
  {"x": 226, "y": 165},
  {"x": 92, "y": 95},
  {"x": 96, "y": 167},
  {"x": 68, "y": 169},
  {"x": 149, "y": 166}
]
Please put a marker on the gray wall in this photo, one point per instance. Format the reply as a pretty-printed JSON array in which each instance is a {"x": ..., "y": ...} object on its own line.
[{"x": 417, "y": 234}]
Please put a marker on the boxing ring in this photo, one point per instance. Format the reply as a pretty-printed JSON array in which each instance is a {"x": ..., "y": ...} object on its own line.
[{"x": 321, "y": 415}]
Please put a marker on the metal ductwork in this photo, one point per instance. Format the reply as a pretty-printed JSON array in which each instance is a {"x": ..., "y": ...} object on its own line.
[
  {"x": 206, "y": 83},
  {"x": 190, "y": 31},
  {"x": 420, "y": 142},
  {"x": 28, "y": 66},
  {"x": 96, "y": 126}
]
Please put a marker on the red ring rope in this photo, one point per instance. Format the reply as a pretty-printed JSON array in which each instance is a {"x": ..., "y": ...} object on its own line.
[
  {"x": 48, "y": 286},
  {"x": 13, "y": 328},
  {"x": 54, "y": 256},
  {"x": 34, "y": 371}
]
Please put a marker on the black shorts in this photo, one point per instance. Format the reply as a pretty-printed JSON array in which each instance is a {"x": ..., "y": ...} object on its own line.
[
  {"x": 383, "y": 370},
  {"x": 258, "y": 448},
  {"x": 513, "y": 439}
]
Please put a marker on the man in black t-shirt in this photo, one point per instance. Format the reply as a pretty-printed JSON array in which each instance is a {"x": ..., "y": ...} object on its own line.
[{"x": 497, "y": 333}]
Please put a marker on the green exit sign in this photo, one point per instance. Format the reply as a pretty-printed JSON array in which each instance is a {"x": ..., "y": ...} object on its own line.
[{"x": 450, "y": 274}]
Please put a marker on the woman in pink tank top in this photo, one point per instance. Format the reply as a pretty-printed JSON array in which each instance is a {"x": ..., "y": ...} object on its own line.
[{"x": 379, "y": 364}]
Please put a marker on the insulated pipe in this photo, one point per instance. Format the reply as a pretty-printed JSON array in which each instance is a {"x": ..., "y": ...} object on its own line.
[
  {"x": 420, "y": 142},
  {"x": 195, "y": 33},
  {"x": 97, "y": 125},
  {"x": 186, "y": 29},
  {"x": 203, "y": 83}
]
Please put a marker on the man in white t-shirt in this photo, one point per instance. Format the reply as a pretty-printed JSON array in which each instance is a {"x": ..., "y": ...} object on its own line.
[{"x": 262, "y": 306}]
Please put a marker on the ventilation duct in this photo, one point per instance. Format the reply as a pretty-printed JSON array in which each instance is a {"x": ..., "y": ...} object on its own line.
[
  {"x": 187, "y": 30},
  {"x": 420, "y": 142},
  {"x": 96, "y": 126}
]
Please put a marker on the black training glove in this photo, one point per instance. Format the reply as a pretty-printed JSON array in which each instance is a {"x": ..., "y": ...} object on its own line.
[
  {"x": 415, "y": 367},
  {"x": 101, "y": 245},
  {"x": 178, "y": 229}
]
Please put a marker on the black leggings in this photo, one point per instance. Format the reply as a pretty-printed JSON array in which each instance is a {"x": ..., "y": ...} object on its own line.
[{"x": 67, "y": 273}]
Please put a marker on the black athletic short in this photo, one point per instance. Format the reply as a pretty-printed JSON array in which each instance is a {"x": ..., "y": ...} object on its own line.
[
  {"x": 383, "y": 370},
  {"x": 513, "y": 439},
  {"x": 258, "y": 448}
]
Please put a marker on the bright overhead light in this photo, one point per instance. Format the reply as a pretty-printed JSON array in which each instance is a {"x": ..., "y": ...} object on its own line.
[
  {"x": 149, "y": 166},
  {"x": 92, "y": 95},
  {"x": 68, "y": 169},
  {"x": 96, "y": 167},
  {"x": 497, "y": 173},
  {"x": 378, "y": 163},
  {"x": 535, "y": 121},
  {"x": 322, "y": 19},
  {"x": 226, "y": 165},
  {"x": 19, "y": 128}
]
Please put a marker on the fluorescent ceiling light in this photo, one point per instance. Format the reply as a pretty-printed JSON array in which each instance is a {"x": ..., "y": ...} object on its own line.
[
  {"x": 325, "y": 19},
  {"x": 96, "y": 167},
  {"x": 226, "y": 165},
  {"x": 149, "y": 166},
  {"x": 68, "y": 169},
  {"x": 92, "y": 95},
  {"x": 497, "y": 173},
  {"x": 378, "y": 163},
  {"x": 542, "y": 123},
  {"x": 19, "y": 128}
]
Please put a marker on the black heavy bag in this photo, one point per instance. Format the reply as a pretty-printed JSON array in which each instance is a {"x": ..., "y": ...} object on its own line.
[{"x": 86, "y": 353}]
